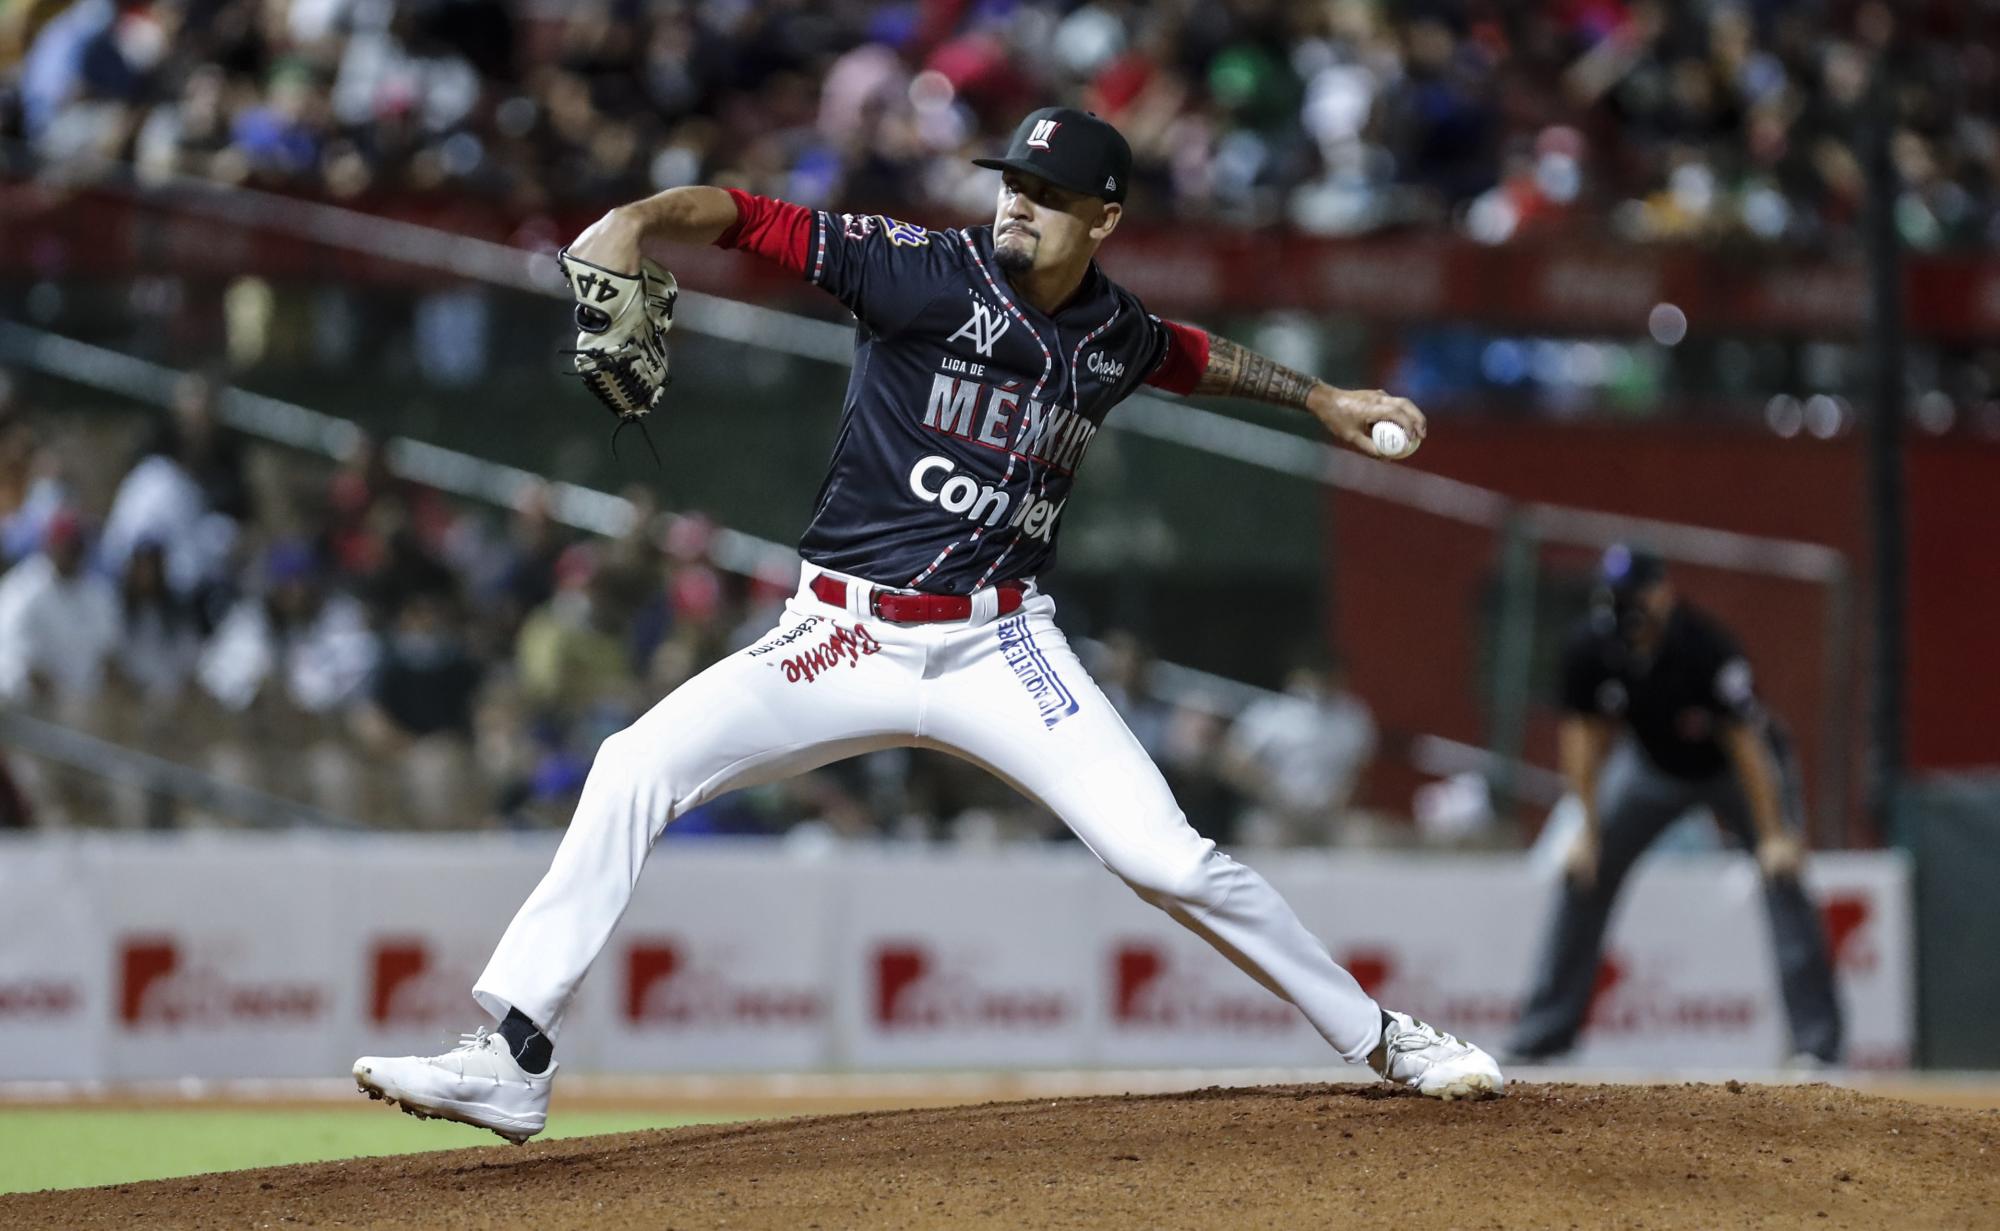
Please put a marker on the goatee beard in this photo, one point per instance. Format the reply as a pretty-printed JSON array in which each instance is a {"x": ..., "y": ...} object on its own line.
[{"x": 1013, "y": 260}]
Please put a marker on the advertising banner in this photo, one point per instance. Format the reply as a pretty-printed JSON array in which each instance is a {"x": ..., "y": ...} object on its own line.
[
  {"x": 954, "y": 961},
  {"x": 725, "y": 961},
  {"x": 225, "y": 957},
  {"x": 280, "y": 956},
  {"x": 54, "y": 979}
]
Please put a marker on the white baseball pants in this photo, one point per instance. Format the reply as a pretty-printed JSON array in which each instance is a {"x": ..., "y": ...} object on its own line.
[{"x": 1004, "y": 692}]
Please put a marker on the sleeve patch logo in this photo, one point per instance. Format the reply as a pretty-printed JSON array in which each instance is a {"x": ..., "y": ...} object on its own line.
[
  {"x": 905, "y": 234},
  {"x": 902, "y": 234}
]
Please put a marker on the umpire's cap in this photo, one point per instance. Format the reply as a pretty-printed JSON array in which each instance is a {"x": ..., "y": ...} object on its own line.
[
  {"x": 1071, "y": 149},
  {"x": 1627, "y": 571}
]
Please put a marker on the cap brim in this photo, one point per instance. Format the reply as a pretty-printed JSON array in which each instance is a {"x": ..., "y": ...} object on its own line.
[{"x": 1027, "y": 168}]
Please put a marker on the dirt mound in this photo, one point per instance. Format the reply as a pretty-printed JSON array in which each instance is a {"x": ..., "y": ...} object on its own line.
[{"x": 1279, "y": 1156}]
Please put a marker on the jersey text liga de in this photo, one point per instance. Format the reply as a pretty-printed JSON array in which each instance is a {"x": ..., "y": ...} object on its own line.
[{"x": 968, "y": 411}]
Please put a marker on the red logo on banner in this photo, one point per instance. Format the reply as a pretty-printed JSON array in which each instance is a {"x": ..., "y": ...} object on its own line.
[
  {"x": 407, "y": 987},
  {"x": 1150, "y": 991},
  {"x": 1623, "y": 1002},
  {"x": 664, "y": 986},
  {"x": 156, "y": 987},
  {"x": 1139, "y": 967},
  {"x": 31, "y": 998},
  {"x": 1371, "y": 968},
  {"x": 1845, "y": 916},
  {"x": 914, "y": 992},
  {"x": 1610, "y": 973},
  {"x": 1387, "y": 978},
  {"x": 646, "y": 967}
]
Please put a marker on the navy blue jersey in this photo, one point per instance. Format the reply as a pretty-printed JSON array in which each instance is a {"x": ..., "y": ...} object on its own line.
[{"x": 968, "y": 411}]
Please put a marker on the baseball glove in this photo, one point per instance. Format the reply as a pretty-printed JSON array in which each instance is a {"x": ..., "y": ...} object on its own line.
[{"x": 621, "y": 332}]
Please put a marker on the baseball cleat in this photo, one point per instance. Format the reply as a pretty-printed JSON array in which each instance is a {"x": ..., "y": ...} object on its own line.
[
  {"x": 476, "y": 1083},
  {"x": 1432, "y": 1062}
]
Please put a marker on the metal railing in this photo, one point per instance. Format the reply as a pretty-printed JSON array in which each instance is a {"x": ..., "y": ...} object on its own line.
[
  {"x": 597, "y": 512},
  {"x": 127, "y": 766}
]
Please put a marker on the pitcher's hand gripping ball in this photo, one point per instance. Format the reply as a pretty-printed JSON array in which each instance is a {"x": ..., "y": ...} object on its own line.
[
  {"x": 1390, "y": 439},
  {"x": 621, "y": 332}
]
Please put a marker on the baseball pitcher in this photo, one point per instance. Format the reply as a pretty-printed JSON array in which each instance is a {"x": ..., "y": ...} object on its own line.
[{"x": 985, "y": 362}]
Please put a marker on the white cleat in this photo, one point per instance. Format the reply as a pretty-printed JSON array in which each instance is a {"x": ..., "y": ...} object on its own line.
[
  {"x": 1432, "y": 1062},
  {"x": 476, "y": 1083}
]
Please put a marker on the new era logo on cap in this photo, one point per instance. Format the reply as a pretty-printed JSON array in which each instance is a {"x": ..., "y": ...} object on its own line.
[
  {"x": 1111, "y": 183},
  {"x": 1043, "y": 130}
]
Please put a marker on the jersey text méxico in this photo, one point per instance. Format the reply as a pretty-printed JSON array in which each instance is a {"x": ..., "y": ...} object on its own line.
[{"x": 968, "y": 411}]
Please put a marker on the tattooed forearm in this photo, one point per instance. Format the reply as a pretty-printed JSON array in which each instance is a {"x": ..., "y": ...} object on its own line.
[{"x": 1234, "y": 371}]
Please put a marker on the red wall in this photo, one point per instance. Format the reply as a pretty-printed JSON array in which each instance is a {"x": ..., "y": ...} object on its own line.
[
  {"x": 1406, "y": 584},
  {"x": 1954, "y": 641}
]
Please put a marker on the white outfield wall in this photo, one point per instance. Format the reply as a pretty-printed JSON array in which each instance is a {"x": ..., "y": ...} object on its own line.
[{"x": 243, "y": 955}]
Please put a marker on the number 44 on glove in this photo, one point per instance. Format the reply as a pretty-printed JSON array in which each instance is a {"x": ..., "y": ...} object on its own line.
[{"x": 621, "y": 332}]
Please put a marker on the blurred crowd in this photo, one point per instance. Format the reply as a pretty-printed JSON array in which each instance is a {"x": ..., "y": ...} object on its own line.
[
  {"x": 336, "y": 636},
  {"x": 1709, "y": 118}
]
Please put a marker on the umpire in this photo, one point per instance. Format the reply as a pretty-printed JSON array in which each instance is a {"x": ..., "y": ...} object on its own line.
[{"x": 1660, "y": 715}]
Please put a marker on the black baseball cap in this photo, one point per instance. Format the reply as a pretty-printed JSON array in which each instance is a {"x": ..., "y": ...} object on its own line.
[
  {"x": 1071, "y": 149},
  {"x": 1628, "y": 570}
]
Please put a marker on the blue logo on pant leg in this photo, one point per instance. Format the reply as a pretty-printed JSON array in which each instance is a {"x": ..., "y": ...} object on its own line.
[{"x": 1051, "y": 696}]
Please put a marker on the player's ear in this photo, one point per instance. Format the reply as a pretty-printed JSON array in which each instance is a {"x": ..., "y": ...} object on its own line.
[{"x": 1107, "y": 220}]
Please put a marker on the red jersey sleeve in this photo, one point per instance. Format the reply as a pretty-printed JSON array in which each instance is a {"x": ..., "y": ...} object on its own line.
[
  {"x": 1184, "y": 359},
  {"x": 775, "y": 230}
]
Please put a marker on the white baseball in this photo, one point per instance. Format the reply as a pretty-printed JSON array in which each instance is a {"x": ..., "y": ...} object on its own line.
[{"x": 1390, "y": 439}]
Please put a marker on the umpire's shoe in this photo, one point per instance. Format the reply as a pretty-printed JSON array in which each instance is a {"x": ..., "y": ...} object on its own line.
[
  {"x": 476, "y": 1083},
  {"x": 1432, "y": 1062}
]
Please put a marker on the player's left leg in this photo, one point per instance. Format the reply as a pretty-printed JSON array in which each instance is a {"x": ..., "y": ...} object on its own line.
[
  {"x": 1015, "y": 699},
  {"x": 1805, "y": 971}
]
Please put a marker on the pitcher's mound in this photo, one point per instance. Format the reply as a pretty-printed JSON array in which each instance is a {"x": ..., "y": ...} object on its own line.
[{"x": 1280, "y": 1156}]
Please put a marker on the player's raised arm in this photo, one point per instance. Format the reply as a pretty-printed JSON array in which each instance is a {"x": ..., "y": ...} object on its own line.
[
  {"x": 1234, "y": 370},
  {"x": 692, "y": 215}
]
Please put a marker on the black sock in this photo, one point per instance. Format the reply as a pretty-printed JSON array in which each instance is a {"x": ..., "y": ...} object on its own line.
[
  {"x": 1379, "y": 1058},
  {"x": 532, "y": 1049}
]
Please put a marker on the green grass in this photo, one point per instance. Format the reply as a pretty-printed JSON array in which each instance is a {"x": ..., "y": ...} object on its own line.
[{"x": 75, "y": 1147}]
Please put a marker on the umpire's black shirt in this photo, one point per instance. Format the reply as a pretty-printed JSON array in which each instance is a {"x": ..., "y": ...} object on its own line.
[{"x": 1676, "y": 702}]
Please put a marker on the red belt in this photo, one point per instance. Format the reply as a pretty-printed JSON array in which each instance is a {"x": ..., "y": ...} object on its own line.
[{"x": 903, "y": 607}]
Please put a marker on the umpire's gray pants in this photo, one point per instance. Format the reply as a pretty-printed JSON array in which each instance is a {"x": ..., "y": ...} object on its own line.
[{"x": 1635, "y": 802}]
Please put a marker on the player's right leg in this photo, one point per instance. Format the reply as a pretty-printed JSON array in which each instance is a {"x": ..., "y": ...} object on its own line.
[
  {"x": 1018, "y": 702},
  {"x": 814, "y": 690}
]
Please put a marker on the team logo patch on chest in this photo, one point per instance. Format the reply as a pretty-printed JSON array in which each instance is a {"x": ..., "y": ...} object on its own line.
[
  {"x": 984, "y": 327},
  {"x": 1031, "y": 667}
]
